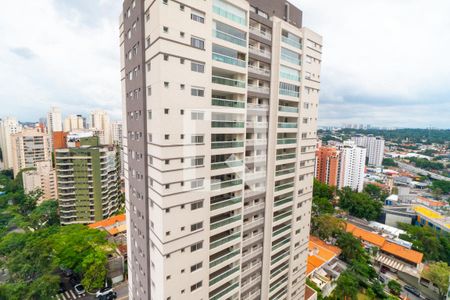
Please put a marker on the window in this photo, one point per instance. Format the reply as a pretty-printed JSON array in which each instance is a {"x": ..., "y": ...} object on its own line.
[
  {"x": 196, "y": 246},
  {"x": 197, "y": 139},
  {"x": 182, "y": 86},
  {"x": 198, "y": 16},
  {"x": 198, "y": 92},
  {"x": 166, "y": 29},
  {"x": 166, "y": 84},
  {"x": 166, "y": 136},
  {"x": 166, "y": 111},
  {"x": 198, "y": 183},
  {"x": 196, "y": 226},
  {"x": 182, "y": 61},
  {"x": 196, "y": 205},
  {"x": 196, "y": 286},
  {"x": 198, "y": 67},
  {"x": 197, "y": 43},
  {"x": 196, "y": 267},
  {"x": 149, "y": 114},
  {"x": 197, "y": 115},
  {"x": 197, "y": 161},
  {"x": 166, "y": 57},
  {"x": 182, "y": 7},
  {"x": 165, "y": 2}
]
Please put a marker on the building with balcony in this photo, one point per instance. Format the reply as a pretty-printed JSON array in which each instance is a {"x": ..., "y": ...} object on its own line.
[
  {"x": 328, "y": 165},
  {"x": 42, "y": 177},
  {"x": 88, "y": 177},
  {"x": 220, "y": 101},
  {"x": 374, "y": 148},
  {"x": 353, "y": 162}
]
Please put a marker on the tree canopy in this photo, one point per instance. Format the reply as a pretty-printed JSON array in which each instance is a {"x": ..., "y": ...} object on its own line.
[
  {"x": 439, "y": 274},
  {"x": 360, "y": 205}
]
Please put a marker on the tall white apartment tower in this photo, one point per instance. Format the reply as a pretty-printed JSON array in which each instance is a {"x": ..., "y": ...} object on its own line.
[
  {"x": 220, "y": 101},
  {"x": 374, "y": 148},
  {"x": 116, "y": 132},
  {"x": 8, "y": 127},
  {"x": 99, "y": 120},
  {"x": 353, "y": 161},
  {"x": 54, "y": 120},
  {"x": 73, "y": 122}
]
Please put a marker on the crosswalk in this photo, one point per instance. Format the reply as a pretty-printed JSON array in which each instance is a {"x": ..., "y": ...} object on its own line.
[{"x": 67, "y": 295}]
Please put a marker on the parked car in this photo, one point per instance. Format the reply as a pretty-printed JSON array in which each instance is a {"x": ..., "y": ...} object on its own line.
[
  {"x": 79, "y": 289},
  {"x": 412, "y": 290},
  {"x": 103, "y": 292},
  {"x": 110, "y": 296}
]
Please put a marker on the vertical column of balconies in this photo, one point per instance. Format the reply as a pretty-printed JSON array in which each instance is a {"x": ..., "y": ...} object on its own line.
[{"x": 228, "y": 90}]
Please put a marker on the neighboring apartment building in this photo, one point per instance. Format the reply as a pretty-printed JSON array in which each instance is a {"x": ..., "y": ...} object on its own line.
[
  {"x": 328, "y": 165},
  {"x": 353, "y": 161},
  {"x": 88, "y": 181},
  {"x": 29, "y": 146},
  {"x": 42, "y": 178},
  {"x": 116, "y": 132},
  {"x": 8, "y": 127},
  {"x": 99, "y": 120},
  {"x": 220, "y": 103},
  {"x": 54, "y": 120},
  {"x": 74, "y": 122},
  {"x": 374, "y": 148}
]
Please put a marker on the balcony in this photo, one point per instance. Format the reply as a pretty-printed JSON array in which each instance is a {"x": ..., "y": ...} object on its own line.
[
  {"x": 292, "y": 42},
  {"x": 229, "y": 38},
  {"x": 260, "y": 71},
  {"x": 226, "y": 164},
  {"x": 257, "y": 142},
  {"x": 255, "y": 159},
  {"x": 255, "y": 106},
  {"x": 257, "y": 124},
  {"x": 255, "y": 175},
  {"x": 257, "y": 51},
  {"x": 260, "y": 33},
  {"x": 228, "y": 60},
  {"x": 278, "y": 270},
  {"x": 285, "y": 156},
  {"x": 284, "y": 201},
  {"x": 288, "y": 109},
  {"x": 229, "y": 15},
  {"x": 292, "y": 60},
  {"x": 289, "y": 93},
  {"x": 228, "y": 81},
  {"x": 224, "y": 222},
  {"x": 284, "y": 171},
  {"x": 226, "y": 124},
  {"x": 252, "y": 239},
  {"x": 225, "y": 184},
  {"x": 224, "y": 258},
  {"x": 250, "y": 269},
  {"x": 281, "y": 230},
  {"x": 227, "y": 144},
  {"x": 259, "y": 89},
  {"x": 253, "y": 208},
  {"x": 285, "y": 141},
  {"x": 287, "y": 125},
  {"x": 228, "y": 103},
  {"x": 224, "y": 291},
  {"x": 281, "y": 243},
  {"x": 225, "y": 203},
  {"x": 225, "y": 240},
  {"x": 282, "y": 216},
  {"x": 284, "y": 186},
  {"x": 223, "y": 275}
]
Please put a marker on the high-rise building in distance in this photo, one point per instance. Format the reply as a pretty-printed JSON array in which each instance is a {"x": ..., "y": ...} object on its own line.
[
  {"x": 54, "y": 120},
  {"x": 73, "y": 122},
  {"x": 99, "y": 120},
  {"x": 220, "y": 101},
  {"x": 116, "y": 133},
  {"x": 328, "y": 165},
  {"x": 42, "y": 178},
  {"x": 374, "y": 148},
  {"x": 8, "y": 127},
  {"x": 353, "y": 161}
]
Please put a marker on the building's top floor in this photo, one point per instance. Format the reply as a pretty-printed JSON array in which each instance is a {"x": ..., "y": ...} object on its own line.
[{"x": 278, "y": 8}]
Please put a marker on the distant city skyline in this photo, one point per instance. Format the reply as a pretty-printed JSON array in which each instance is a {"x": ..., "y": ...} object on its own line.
[{"x": 378, "y": 71}]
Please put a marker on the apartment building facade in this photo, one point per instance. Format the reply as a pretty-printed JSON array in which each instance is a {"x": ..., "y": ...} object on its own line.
[
  {"x": 328, "y": 165},
  {"x": 353, "y": 162},
  {"x": 54, "y": 120},
  {"x": 42, "y": 178},
  {"x": 220, "y": 104},
  {"x": 74, "y": 122},
  {"x": 99, "y": 121},
  {"x": 8, "y": 127},
  {"x": 88, "y": 178},
  {"x": 374, "y": 148}
]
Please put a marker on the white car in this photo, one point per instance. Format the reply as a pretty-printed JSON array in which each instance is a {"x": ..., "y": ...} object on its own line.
[
  {"x": 79, "y": 289},
  {"x": 103, "y": 292}
]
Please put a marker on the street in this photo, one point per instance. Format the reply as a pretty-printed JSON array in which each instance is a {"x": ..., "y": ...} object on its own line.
[{"x": 121, "y": 290}]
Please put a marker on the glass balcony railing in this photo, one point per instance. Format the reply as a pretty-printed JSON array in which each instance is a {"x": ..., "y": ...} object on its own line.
[
  {"x": 284, "y": 186},
  {"x": 290, "y": 76},
  {"x": 224, "y": 291},
  {"x": 288, "y": 109},
  {"x": 224, "y": 222},
  {"x": 226, "y": 164},
  {"x": 281, "y": 216},
  {"x": 284, "y": 171},
  {"x": 279, "y": 244},
  {"x": 285, "y": 156},
  {"x": 286, "y": 141},
  {"x": 225, "y": 240},
  {"x": 281, "y": 230},
  {"x": 226, "y": 203},
  {"x": 277, "y": 259},
  {"x": 289, "y": 93},
  {"x": 227, "y": 124},
  {"x": 227, "y": 144},
  {"x": 223, "y": 275},
  {"x": 290, "y": 59},
  {"x": 229, "y": 38},
  {"x": 223, "y": 258},
  {"x": 227, "y": 103},
  {"x": 292, "y": 42},
  {"x": 277, "y": 285},
  {"x": 287, "y": 125},
  {"x": 228, "y": 60},
  {"x": 230, "y": 16},
  {"x": 277, "y": 271},
  {"x": 228, "y": 81},
  {"x": 284, "y": 201},
  {"x": 225, "y": 184}
]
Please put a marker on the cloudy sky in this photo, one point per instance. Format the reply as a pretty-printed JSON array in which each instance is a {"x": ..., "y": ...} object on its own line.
[{"x": 385, "y": 62}]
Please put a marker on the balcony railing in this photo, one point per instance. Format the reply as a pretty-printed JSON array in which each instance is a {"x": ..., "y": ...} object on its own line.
[
  {"x": 228, "y": 103},
  {"x": 289, "y": 93},
  {"x": 260, "y": 33},
  {"x": 227, "y": 124},
  {"x": 292, "y": 42},
  {"x": 257, "y": 106},
  {"x": 228, "y": 60},
  {"x": 223, "y": 275},
  {"x": 265, "y": 72},
  {"x": 225, "y": 203},
  {"x": 284, "y": 186},
  {"x": 225, "y": 184},
  {"x": 290, "y": 59},
  {"x": 284, "y": 201},
  {"x": 224, "y": 291},
  {"x": 286, "y": 141},
  {"x": 281, "y": 216},
  {"x": 281, "y": 243},
  {"x": 288, "y": 109},
  {"x": 224, "y": 222},
  {"x": 229, "y": 38},
  {"x": 284, "y": 171},
  {"x": 225, "y": 240},
  {"x": 227, "y": 144},
  {"x": 223, "y": 258},
  {"x": 285, "y": 156},
  {"x": 290, "y": 76},
  {"x": 287, "y": 125},
  {"x": 226, "y": 164},
  {"x": 257, "y": 124},
  {"x": 260, "y": 52},
  {"x": 281, "y": 230},
  {"x": 228, "y": 81},
  {"x": 258, "y": 89},
  {"x": 229, "y": 15}
]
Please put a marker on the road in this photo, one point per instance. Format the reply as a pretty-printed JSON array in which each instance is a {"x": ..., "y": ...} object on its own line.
[
  {"x": 416, "y": 170},
  {"x": 121, "y": 290}
]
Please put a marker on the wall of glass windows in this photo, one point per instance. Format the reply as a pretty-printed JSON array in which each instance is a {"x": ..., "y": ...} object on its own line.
[
  {"x": 289, "y": 73},
  {"x": 290, "y": 56}
]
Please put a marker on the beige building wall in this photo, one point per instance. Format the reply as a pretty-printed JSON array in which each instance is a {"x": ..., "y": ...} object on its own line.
[
  {"x": 43, "y": 178},
  {"x": 8, "y": 127},
  {"x": 73, "y": 122}
]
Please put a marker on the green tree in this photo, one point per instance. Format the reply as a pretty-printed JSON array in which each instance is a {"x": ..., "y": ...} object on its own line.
[
  {"x": 439, "y": 274},
  {"x": 323, "y": 190},
  {"x": 389, "y": 162},
  {"x": 44, "y": 215},
  {"x": 360, "y": 205},
  {"x": 394, "y": 287},
  {"x": 94, "y": 270},
  {"x": 346, "y": 286},
  {"x": 375, "y": 192},
  {"x": 350, "y": 246},
  {"x": 326, "y": 226},
  {"x": 442, "y": 185},
  {"x": 321, "y": 205}
]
